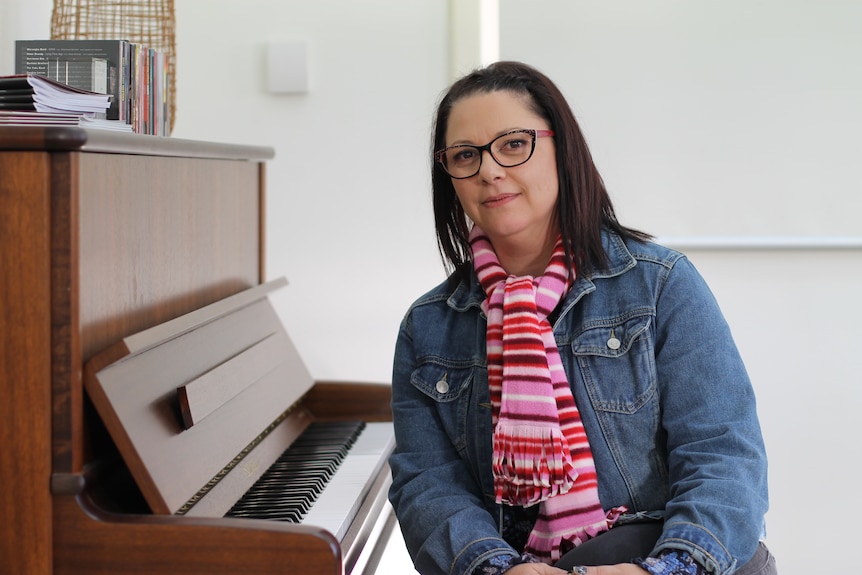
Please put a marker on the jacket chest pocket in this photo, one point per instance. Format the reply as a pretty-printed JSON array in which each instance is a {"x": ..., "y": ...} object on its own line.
[
  {"x": 616, "y": 359},
  {"x": 449, "y": 385}
]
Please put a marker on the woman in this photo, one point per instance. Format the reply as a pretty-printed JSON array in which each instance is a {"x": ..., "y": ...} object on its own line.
[{"x": 570, "y": 399}]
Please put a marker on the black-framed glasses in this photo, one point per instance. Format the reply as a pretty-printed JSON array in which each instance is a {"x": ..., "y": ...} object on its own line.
[{"x": 509, "y": 150}]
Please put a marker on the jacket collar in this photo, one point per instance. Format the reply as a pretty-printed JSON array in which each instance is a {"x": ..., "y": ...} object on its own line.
[{"x": 468, "y": 292}]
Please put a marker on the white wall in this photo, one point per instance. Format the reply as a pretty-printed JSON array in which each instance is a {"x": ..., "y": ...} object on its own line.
[
  {"x": 706, "y": 118},
  {"x": 348, "y": 218},
  {"x": 21, "y": 20}
]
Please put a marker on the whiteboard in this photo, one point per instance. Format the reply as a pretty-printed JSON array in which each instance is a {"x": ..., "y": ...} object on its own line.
[{"x": 732, "y": 118}]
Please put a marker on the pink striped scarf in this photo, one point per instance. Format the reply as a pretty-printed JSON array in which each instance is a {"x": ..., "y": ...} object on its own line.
[{"x": 541, "y": 451}]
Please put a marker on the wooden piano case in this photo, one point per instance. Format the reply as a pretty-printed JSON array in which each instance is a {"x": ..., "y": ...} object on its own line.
[{"x": 104, "y": 235}]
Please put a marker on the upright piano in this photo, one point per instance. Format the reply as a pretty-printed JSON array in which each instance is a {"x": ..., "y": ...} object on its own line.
[{"x": 151, "y": 393}]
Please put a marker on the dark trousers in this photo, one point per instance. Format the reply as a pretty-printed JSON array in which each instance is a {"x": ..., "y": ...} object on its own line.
[{"x": 626, "y": 542}]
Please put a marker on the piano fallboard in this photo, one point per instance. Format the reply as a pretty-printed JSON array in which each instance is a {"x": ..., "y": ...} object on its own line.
[{"x": 199, "y": 409}]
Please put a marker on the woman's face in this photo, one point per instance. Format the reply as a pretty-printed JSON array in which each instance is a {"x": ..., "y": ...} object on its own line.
[{"x": 514, "y": 206}]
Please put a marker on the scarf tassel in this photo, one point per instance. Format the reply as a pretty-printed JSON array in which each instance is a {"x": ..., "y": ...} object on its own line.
[{"x": 530, "y": 464}]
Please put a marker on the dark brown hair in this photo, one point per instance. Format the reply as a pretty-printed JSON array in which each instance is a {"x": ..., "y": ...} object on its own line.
[{"x": 583, "y": 204}]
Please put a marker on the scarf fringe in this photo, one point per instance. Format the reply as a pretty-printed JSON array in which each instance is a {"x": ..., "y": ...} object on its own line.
[{"x": 527, "y": 464}]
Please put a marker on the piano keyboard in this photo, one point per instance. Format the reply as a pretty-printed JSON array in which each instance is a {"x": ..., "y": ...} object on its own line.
[{"x": 321, "y": 479}]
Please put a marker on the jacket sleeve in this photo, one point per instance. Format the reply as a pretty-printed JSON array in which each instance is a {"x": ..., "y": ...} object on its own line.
[
  {"x": 438, "y": 502},
  {"x": 716, "y": 456}
]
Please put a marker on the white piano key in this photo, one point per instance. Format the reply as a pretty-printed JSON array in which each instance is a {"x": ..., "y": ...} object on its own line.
[{"x": 338, "y": 503}]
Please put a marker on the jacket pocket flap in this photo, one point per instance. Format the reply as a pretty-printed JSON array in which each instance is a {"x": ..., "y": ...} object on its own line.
[
  {"x": 441, "y": 382},
  {"x": 611, "y": 338}
]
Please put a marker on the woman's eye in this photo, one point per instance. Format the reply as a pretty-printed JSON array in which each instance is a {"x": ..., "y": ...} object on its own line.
[
  {"x": 513, "y": 145},
  {"x": 463, "y": 156}
]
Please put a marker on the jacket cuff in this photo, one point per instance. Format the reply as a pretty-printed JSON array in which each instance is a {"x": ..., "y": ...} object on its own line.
[
  {"x": 671, "y": 563},
  {"x": 699, "y": 543}
]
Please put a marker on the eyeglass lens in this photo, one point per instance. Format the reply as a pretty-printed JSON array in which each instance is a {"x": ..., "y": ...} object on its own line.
[{"x": 509, "y": 150}]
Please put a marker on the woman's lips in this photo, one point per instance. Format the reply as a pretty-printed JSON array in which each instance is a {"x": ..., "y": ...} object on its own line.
[{"x": 499, "y": 200}]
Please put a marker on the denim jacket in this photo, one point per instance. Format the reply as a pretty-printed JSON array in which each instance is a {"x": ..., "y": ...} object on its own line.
[{"x": 663, "y": 394}]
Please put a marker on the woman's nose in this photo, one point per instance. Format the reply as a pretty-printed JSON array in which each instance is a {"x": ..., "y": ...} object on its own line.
[{"x": 489, "y": 169}]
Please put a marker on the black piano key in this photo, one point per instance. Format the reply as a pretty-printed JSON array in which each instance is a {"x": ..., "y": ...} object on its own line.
[{"x": 288, "y": 489}]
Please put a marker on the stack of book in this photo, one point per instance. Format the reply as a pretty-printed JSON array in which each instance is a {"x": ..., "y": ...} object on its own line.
[
  {"x": 22, "y": 118},
  {"x": 136, "y": 77},
  {"x": 29, "y": 99}
]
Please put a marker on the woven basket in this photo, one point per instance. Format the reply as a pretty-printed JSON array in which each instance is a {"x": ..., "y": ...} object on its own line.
[{"x": 150, "y": 23}]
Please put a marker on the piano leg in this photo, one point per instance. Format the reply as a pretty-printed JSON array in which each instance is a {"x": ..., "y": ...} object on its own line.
[{"x": 369, "y": 559}]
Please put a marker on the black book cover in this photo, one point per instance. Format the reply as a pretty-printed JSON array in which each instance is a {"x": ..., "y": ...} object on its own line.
[
  {"x": 17, "y": 105},
  {"x": 15, "y": 83},
  {"x": 16, "y": 98}
]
